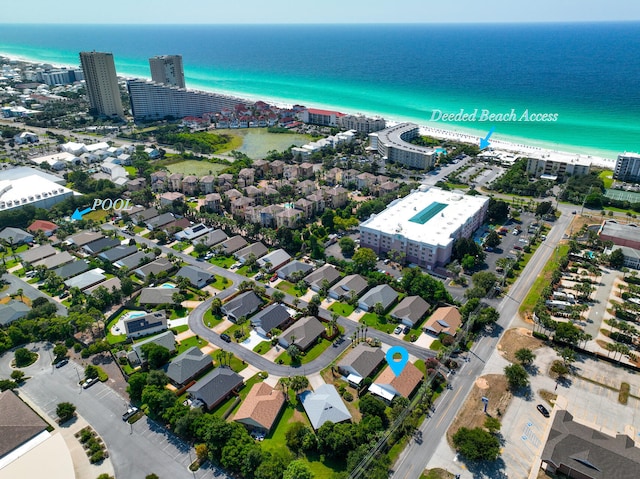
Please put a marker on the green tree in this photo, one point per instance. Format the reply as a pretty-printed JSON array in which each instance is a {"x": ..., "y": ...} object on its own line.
[
  {"x": 616, "y": 259},
  {"x": 65, "y": 411},
  {"x": 517, "y": 376},
  {"x": 295, "y": 436},
  {"x": 372, "y": 406},
  {"x": 297, "y": 469},
  {"x": 484, "y": 280},
  {"x": 24, "y": 357},
  {"x": 468, "y": 262},
  {"x": 137, "y": 382},
  {"x": 298, "y": 383},
  {"x": 155, "y": 355},
  {"x": 347, "y": 246},
  {"x": 59, "y": 351},
  {"x": 293, "y": 351},
  {"x": 476, "y": 444},
  {"x": 493, "y": 239},
  {"x": 492, "y": 424},
  {"x": 525, "y": 356},
  {"x": 90, "y": 371},
  {"x": 364, "y": 260},
  {"x": 277, "y": 296},
  {"x": 17, "y": 375},
  {"x": 498, "y": 210},
  {"x": 544, "y": 208}
]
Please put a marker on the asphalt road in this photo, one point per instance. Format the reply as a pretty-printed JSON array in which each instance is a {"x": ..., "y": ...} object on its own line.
[
  {"x": 415, "y": 457},
  {"x": 135, "y": 450},
  {"x": 30, "y": 291}
]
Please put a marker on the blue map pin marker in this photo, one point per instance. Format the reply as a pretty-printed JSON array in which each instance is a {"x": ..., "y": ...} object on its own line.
[{"x": 397, "y": 365}]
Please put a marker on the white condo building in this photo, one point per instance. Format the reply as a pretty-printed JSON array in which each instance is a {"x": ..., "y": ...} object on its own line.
[
  {"x": 155, "y": 101},
  {"x": 558, "y": 165},
  {"x": 627, "y": 167},
  {"x": 424, "y": 225},
  {"x": 393, "y": 144},
  {"x": 102, "y": 83},
  {"x": 167, "y": 69}
]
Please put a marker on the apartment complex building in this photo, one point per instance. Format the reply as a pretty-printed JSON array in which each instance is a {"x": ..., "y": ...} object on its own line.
[
  {"x": 168, "y": 70},
  {"x": 361, "y": 124},
  {"x": 102, "y": 83},
  {"x": 424, "y": 225},
  {"x": 627, "y": 168},
  {"x": 555, "y": 166},
  {"x": 393, "y": 144}
]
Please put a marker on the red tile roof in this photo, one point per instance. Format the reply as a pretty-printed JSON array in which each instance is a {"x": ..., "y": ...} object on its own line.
[{"x": 42, "y": 225}]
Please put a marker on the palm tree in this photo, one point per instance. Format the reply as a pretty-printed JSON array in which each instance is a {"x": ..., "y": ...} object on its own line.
[
  {"x": 19, "y": 293},
  {"x": 334, "y": 322}
]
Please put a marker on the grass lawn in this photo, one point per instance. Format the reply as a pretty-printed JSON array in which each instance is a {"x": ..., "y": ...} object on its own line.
[
  {"x": 190, "y": 342},
  {"x": 195, "y": 167},
  {"x": 436, "y": 474},
  {"x": 289, "y": 288},
  {"x": 436, "y": 345},
  {"x": 131, "y": 171},
  {"x": 222, "y": 261},
  {"x": 181, "y": 246},
  {"x": 180, "y": 329},
  {"x": 381, "y": 324},
  {"x": 220, "y": 282},
  {"x": 263, "y": 347},
  {"x": 607, "y": 178},
  {"x": 180, "y": 313},
  {"x": 245, "y": 327},
  {"x": 343, "y": 309},
  {"x": 97, "y": 215},
  {"x": 210, "y": 320},
  {"x": 542, "y": 280},
  {"x": 311, "y": 354}
]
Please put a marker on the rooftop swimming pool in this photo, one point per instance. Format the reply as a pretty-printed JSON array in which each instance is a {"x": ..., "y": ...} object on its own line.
[{"x": 429, "y": 212}]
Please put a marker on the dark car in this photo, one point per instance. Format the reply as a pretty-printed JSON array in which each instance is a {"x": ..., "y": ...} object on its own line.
[
  {"x": 543, "y": 410},
  {"x": 59, "y": 364},
  {"x": 406, "y": 330},
  {"x": 64, "y": 295},
  {"x": 225, "y": 337}
]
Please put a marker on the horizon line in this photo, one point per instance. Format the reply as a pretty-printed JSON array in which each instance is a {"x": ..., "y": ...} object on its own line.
[{"x": 433, "y": 23}]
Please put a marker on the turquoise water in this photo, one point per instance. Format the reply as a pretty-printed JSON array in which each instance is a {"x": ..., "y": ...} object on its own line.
[
  {"x": 168, "y": 285},
  {"x": 586, "y": 74},
  {"x": 135, "y": 315},
  {"x": 428, "y": 213}
]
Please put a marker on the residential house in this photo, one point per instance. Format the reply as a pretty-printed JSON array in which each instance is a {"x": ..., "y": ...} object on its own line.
[
  {"x": 54, "y": 261},
  {"x": 306, "y": 187},
  {"x": 150, "y": 323},
  {"x": 305, "y": 206},
  {"x": 207, "y": 184},
  {"x": 15, "y": 236},
  {"x": 350, "y": 285},
  {"x": 233, "y": 194},
  {"x": 274, "y": 260},
  {"x": 333, "y": 177},
  {"x": 277, "y": 168},
  {"x": 305, "y": 170},
  {"x": 167, "y": 199},
  {"x": 83, "y": 238},
  {"x": 316, "y": 280},
  {"x": 361, "y": 362},
  {"x": 156, "y": 296},
  {"x": 112, "y": 284},
  {"x": 446, "y": 319},
  {"x": 102, "y": 244},
  {"x": 261, "y": 408},
  {"x": 136, "y": 184},
  {"x": 176, "y": 226},
  {"x": 243, "y": 305},
  {"x": 225, "y": 179},
  {"x": 198, "y": 278},
  {"x": 273, "y": 316},
  {"x": 38, "y": 253},
  {"x": 303, "y": 333},
  {"x": 256, "y": 249},
  {"x": 239, "y": 205},
  {"x": 267, "y": 215},
  {"x": 12, "y": 311},
  {"x": 215, "y": 387},
  {"x": 159, "y": 181},
  {"x": 292, "y": 270},
  {"x": 212, "y": 238},
  {"x": 154, "y": 268},
  {"x": 261, "y": 167},
  {"x": 143, "y": 216},
  {"x": 290, "y": 172},
  {"x": 157, "y": 222},
  {"x": 365, "y": 180},
  {"x": 212, "y": 202},
  {"x": 383, "y": 294},
  {"x": 192, "y": 233},
  {"x": 410, "y": 310},
  {"x": 231, "y": 245},
  {"x": 175, "y": 182},
  {"x": 317, "y": 203},
  {"x": 336, "y": 197},
  {"x": 114, "y": 254},
  {"x": 387, "y": 385},
  {"x": 247, "y": 175},
  {"x": 135, "y": 260},
  {"x": 190, "y": 185},
  {"x": 86, "y": 279},
  {"x": 166, "y": 340},
  {"x": 47, "y": 227},
  {"x": 71, "y": 269},
  {"x": 324, "y": 405},
  {"x": 186, "y": 366},
  {"x": 289, "y": 218}
]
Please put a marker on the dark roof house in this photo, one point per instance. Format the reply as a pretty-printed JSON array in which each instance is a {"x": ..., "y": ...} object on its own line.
[
  {"x": 196, "y": 276},
  {"x": 257, "y": 249},
  {"x": 361, "y": 362},
  {"x": 303, "y": 333},
  {"x": 231, "y": 245},
  {"x": 344, "y": 287},
  {"x": 149, "y": 323},
  {"x": 119, "y": 252},
  {"x": 15, "y": 236},
  {"x": 293, "y": 267},
  {"x": 38, "y": 253},
  {"x": 215, "y": 387},
  {"x": 273, "y": 316},
  {"x": 316, "y": 279},
  {"x": 155, "y": 267},
  {"x": 156, "y": 296},
  {"x": 102, "y": 244},
  {"x": 18, "y": 423},
  {"x": 12, "y": 311},
  {"x": 244, "y": 304},
  {"x": 410, "y": 310},
  {"x": 71, "y": 269},
  {"x": 383, "y": 294},
  {"x": 187, "y": 365}
]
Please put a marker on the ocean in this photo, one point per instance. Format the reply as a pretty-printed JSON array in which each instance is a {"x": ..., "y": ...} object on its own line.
[{"x": 585, "y": 75}]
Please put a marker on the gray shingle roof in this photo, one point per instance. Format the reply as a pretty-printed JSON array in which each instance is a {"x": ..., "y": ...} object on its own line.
[
  {"x": 187, "y": 365},
  {"x": 411, "y": 308},
  {"x": 196, "y": 276},
  {"x": 589, "y": 452},
  {"x": 273, "y": 316},
  {"x": 16, "y": 235},
  {"x": 133, "y": 260},
  {"x": 327, "y": 272},
  {"x": 289, "y": 268},
  {"x": 324, "y": 404},
  {"x": 160, "y": 220},
  {"x": 155, "y": 267},
  {"x": 166, "y": 339},
  {"x": 275, "y": 259},
  {"x": 363, "y": 359},
  {"x": 86, "y": 279},
  {"x": 215, "y": 386},
  {"x": 84, "y": 237},
  {"x": 55, "y": 260},
  {"x": 155, "y": 296},
  {"x": 212, "y": 238},
  {"x": 39, "y": 252},
  {"x": 258, "y": 249},
  {"x": 12, "y": 311},
  {"x": 100, "y": 245},
  {"x": 305, "y": 331},
  {"x": 352, "y": 282},
  {"x": 383, "y": 294},
  {"x": 119, "y": 252},
  {"x": 242, "y": 305},
  {"x": 18, "y": 422},
  {"x": 233, "y": 244},
  {"x": 71, "y": 269}
]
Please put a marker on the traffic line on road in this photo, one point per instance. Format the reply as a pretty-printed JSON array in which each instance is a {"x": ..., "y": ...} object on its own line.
[{"x": 448, "y": 407}]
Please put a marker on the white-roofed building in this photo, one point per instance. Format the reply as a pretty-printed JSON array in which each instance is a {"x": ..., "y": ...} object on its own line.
[
  {"x": 74, "y": 148},
  {"x": 31, "y": 190},
  {"x": 57, "y": 161},
  {"x": 424, "y": 225}
]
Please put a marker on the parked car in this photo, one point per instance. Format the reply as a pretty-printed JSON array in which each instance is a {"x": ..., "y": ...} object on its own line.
[
  {"x": 64, "y": 294},
  {"x": 225, "y": 337},
  {"x": 130, "y": 413},
  {"x": 89, "y": 382},
  {"x": 61, "y": 363},
  {"x": 273, "y": 278},
  {"x": 398, "y": 330},
  {"x": 518, "y": 247},
  {"x": 259, "y": 276},
  {"x": 543, "y": 410},
  {"x": 406, "y": 330}
]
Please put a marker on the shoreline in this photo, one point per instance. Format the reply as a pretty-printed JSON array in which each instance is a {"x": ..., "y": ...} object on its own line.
[{"x": 523, "y": 146}]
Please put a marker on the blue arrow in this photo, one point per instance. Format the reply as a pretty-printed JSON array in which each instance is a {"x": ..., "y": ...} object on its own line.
[
  {"x": 77, "y": 214},
  {"x": 484, "y": 142}
]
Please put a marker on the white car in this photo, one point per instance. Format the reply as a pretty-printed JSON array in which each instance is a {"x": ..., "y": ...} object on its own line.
[{"x": 398, "y": 330}]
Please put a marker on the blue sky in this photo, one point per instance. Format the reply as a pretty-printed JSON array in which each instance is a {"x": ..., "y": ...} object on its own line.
[{"x": 318, "y": 11}]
